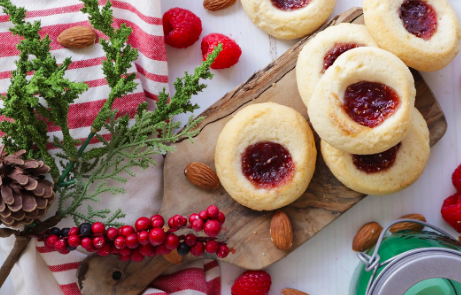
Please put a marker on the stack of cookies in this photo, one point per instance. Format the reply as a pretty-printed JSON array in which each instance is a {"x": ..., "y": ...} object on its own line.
[{"x": 360, "y": 100}]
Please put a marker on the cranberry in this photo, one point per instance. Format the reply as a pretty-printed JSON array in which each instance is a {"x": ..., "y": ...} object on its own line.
[
  {"x": 73, "y": 231},
  {"x": 125, "y": 230},
  {"x": 179, "y": 221},
  {"x": 143, "y": 237},
  {"x": 157, "y": 221},
  {"x": 124, "y": 258},
  {"x": 64, "y": 251},
  {"x": 51, "y": 240},
  {"x": 147, "y": 250},
  {"x": 87, "y": 243},
  {"x": 162, "y": 250},
  {"x": 99, "y": 242},
  {"x": 376, "y": 162},
  {"x": 136, "y": 256},
  {"x": 267, "y": 164},
  {"x": 290, "y": 4},
  {"x": 73, "y": 241},
  {"x": 193, "y": 216},
  {"x": 190, "y": 239},
  {"x": 203, "y": 215},
  {"x": 197, "y": 225},
  {"x": 370, "y": 103},
  {"x": 114, "y": 250},
  {"x": 197, "y": 249},
  {"x": 211, "y": 247},
  {"x": 223, "y": 251},
  {"x": 157, "y": 236},
  {"x": 131, "y": 241},
  {"x": 143, "y": 223},
  {"x": 171, "y": 222},
  {"x": 120, "y": 243},
  {"x": 105, "y": 251},
  {"x": 125, "y": 251},
  {"x": 60, "y": 245},
  {"x": 221, "y": 218},
  {"x": 212, "y": 228},
  {"x": 335, "y": 52},
  {"x": 418, "y": 18},
  {"x": 212, "y": 211},
  {"x": 172, "y": 242},
  {"x": 111, "y": 233},
  {"x": 98, "y": 228}
]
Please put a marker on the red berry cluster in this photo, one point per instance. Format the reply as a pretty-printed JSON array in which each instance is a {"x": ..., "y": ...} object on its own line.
[{"x": 147, "y": 238}]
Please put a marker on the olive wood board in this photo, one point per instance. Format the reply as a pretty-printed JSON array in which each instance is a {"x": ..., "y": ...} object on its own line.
[{"x": 246, "y": 230}]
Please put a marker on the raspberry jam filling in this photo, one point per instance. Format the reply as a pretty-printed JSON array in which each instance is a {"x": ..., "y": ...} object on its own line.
[
  {"x": 419, "y": 18},
  {"x": 376, "y": 162},
  {"x": 267, "y": 164},
  {"x": 370, "y": 103},
  {"x": 335, "y": 52},
  {"x": 290, "y": 4}
]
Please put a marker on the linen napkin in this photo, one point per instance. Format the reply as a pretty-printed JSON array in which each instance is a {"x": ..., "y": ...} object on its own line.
[{"x": 41, "y": 270}]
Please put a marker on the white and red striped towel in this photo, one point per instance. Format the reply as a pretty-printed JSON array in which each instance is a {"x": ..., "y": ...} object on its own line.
[{"x": 41, "y": 271}]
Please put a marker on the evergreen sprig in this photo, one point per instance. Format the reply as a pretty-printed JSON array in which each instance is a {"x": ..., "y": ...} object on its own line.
[
  {"x": 119, "y": 56},
  {"x": 89, "y": 174},
  {"x": 27, "y": 127}
]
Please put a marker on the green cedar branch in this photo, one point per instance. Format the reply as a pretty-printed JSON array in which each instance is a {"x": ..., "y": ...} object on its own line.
[{"x": 21, "y": 104}]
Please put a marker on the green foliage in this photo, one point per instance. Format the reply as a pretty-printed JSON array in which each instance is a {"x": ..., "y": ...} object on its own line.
[
  {"x": 21, "y": 103},
  {"x": 87, "y": 175},
  {"x": 119, "y": 56}
]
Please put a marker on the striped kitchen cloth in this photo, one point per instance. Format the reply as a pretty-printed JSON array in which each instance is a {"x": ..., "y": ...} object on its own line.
[{"x": 40, "y": 270}]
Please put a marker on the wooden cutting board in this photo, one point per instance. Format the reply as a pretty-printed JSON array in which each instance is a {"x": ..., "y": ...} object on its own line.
[{"x": 246, "y": 230}]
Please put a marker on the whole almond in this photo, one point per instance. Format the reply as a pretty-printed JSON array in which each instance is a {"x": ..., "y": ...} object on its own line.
[
  {"x": 289, "y": 291},
  {"x": 77, "y": 37},
  {"x": 408, "y": 225},
  {"x": 201, "y": 175},
  {"x": 366, "y": 237},
  {"x": 173, "y": 257},
  {"x": 281, "y": 230},
  {"x": 214, "y": 5}
]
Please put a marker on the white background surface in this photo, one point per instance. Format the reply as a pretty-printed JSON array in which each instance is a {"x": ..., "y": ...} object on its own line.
[{"x": 324, "y": 265}]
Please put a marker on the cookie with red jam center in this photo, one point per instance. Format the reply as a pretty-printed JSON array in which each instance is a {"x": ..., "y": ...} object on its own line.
[
  {"x": 425, "y": 34},
  {"x": 387, "y": 172},
  {"x": 265, "y": 156},
  {"x": 362, "y": 104},
  {"x": 320, "y": 53},
  {"x": 288, "y": 19}
]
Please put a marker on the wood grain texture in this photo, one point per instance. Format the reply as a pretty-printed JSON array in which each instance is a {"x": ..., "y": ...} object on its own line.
[{"x": 247, "y": 231}]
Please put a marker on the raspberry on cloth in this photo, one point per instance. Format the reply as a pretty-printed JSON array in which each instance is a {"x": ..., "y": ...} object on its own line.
[{"x": 44, "y": 271}]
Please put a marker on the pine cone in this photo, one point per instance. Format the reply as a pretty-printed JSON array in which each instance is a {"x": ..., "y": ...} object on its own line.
[{"x": 25, "y": 193}]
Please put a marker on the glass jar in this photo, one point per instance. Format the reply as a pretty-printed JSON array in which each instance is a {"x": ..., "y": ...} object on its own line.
[{"x": 410, "y": 263}]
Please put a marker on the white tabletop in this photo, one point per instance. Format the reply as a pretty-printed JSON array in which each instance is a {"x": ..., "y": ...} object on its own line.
[{"x": 324, "y": 265}]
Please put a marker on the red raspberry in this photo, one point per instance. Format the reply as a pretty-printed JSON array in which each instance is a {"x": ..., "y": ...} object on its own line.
[
  {"x": 181, "y": 27},
  {"x": 229, "y": 54},
  {"x": 456, "y": 178},
  {"x": 451, "y": 211},
  {"x": 255, "y": 282}
]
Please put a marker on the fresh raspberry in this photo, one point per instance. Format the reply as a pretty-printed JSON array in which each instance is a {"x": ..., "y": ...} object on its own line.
[
  {"x": 456, "y": 178},
  {"x": 451, "y": 211},
  {"x": 255, "y": 282},
  {"x": 181, "y": 27},
  {"x": 229, "y": 55}
]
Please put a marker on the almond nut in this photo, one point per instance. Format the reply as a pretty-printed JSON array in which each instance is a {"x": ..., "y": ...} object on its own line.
[
  {"x": 281, "y": 231},
  {"x": 289, "y": 291},
  {"x": 201, "y": 175},
  {"x": 366, "y": 237},
  {"x": 77, "y": 37},
  {"x": 408, "y": 225},
  {"x": 173, "y": 257},
  {"x": 214, "y": 5}
]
